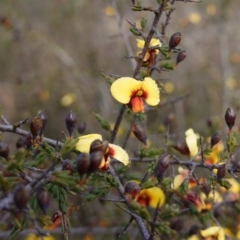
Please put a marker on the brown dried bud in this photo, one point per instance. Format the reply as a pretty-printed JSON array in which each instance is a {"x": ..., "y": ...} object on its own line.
[
  {"x": 56, "y": 221},
  {"x": 81, "y": 127},
  {"x": 162, "y": 165},
  {"x": 43, "y": 199},
  {"x": 139, "y": 133},
  {"x": 20, "y": 196},
  {"x": 96, "y": 159},
  {"x": 169, "y": 119},
  {"x": 177, "y": 224},
  {"x": 221, "y": 172},
  {"x": 174, "y": 40},
  {"x": 4, "y": 150},
  {"x": 96, "y": 145},
  {"x": 71, "y": 121},
  {"x": 105, "y": 145},
  {"x": 36, "y": 126},
  {"x": 181, "y": 56},
  {"x": 182, "y": 148},
  {"x": 230, "y": 117},
  {"x": 132, "y": 189},
  {"x": 83, "y": 163},
  {"x": 42, "y": 115},
  {"x": 206, "y": 188},
  {"x": 68, "y": 165},
  {"x": 20, "y": 143},
  {"x": 215, "y": 139},
  {"x": 28, "y": 141}
]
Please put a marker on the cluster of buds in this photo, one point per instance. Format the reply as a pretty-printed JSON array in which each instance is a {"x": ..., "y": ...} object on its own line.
[{"x": 97, "y": 158}]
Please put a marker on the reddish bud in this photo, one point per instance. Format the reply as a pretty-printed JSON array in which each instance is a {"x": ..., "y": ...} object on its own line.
[
  {"x": 43, "y": 116},
  {"x": 43, "y": 199},
  {"x": 105, "y": 145},
  {"x": 96, "y": 145},
  {"x": 139, "y": 133},
  {"x": 96, "y": 158},
  {"x": 71, "y": 121},
  {"x": 215, "y": 139},
  {"x": 20, "y": 143},
  {"x": 36, "y": 126},
  {"x": 83, "y": 163},
  {"x": 230, "y": 117},
  {"x": 67, "y": 165},
  {"x": 28, "y": 141},
  {"x": 132, "y": 189},
  {"x": 56, "y": 221},
  {"x": 169, "y": 119},
  {"x": 4, "y": 150},
  {"x": 174, "y": 40},
  {"x": 181, "y": 56},
  {"x": 192, "y": 197},
  {"x": 221, "y": 172},
  {"x": 182, "y": 148},
  {"x": 20, "y": 196},
  {"x": 81, "y": 127},
  {"x": 162, "y": 165}
]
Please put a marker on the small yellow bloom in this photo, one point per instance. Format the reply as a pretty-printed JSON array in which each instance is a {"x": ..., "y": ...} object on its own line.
[
  {"x": 130, "y": 91},
  {"x": 215, "y": 231},
  {"x": 213, "y": 157},
  {"x": 151, "y": 197},
  {"x": 114, "y": 151},
  {"x": 183, "y": 174},
  {"x": 191, "y": 140},
  {"x": 32, "y": 236},
  {"x": 154, "y": 42}
]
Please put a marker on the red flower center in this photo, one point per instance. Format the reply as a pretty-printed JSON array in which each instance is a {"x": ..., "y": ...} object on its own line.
[{"x": 136, "y": 102}]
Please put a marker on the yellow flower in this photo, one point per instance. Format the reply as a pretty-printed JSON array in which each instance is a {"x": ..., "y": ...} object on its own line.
[
  {"x": 215, "y": 231},
  {"x": 154, "y": 42},
  {"x": 213, "y": 157},
  {"x": 113, "y": 151},
  {"x": 130, "y": 91},
  {"x": 191, "y": 140},
  {"x": 151, "y": 197},
  {"x": 32, "y": 236}
]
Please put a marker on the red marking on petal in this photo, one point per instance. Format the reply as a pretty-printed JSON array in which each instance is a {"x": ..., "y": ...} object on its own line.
[
  {"x": 143, "y": 199},
  {"x": 111, "y": 152},
  {"x": 136, "y": 104}
]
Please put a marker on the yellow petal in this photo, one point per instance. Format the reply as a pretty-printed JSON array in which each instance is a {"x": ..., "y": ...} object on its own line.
[
  {"x": 156, "y": 195},
  {"x": 120, "y": 154},
  {"x": 123, "y": 87},
  {"x": 193, "y": 237},
  {"x": 213, "y": 231},
  {"x": 84, "y": 142},
  {"x": 191, "y": 140},
  {"x": 178, "y": 180},
  {"x": 140, "y": 43},
  {"x": 155, "y": 42},
  {"x": 150, "y": 86}
]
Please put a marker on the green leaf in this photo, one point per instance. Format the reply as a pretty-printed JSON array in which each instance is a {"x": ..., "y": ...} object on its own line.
[
  {"x": 69, "y": 145},
  {"x": 168, "y": 65},
  {"x": 143, "y": 22},
  {"x": 105, "y": 125},
  {"x": 232, "y": 143},
  {"x": 151, "y": 182},
  {"x": 183, "y": 188},
  {"x": 134, "y": 31},
  {"x": 150, "y": 152},
  {"x": 225, "y": 183},
  {"x": 108, "y": 78}
]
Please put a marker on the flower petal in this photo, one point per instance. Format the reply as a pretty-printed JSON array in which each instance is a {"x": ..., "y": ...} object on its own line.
[
  {"x": 123, "y": 88},
  {"x": 140, "y": 43},
  {"x": 84, "y": 142},
  {"x": 155, "y": 42},
  {"x": 149, "y": 85},
  {"x": 191, "y": 140},
  {"x": 213, "y": 231},
  {"x": 120, "y": 154}
]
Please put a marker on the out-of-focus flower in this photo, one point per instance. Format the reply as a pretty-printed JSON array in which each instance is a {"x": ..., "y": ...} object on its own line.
[
  {"x": 56, "y": 221},
  {"x": 193, "y": 198},
  {"x": 183, "y": 174},
  {"x": 130, "y": 91},
  {"x": 213, "y": 156},
  {"x": 151, "y": 197},
  {"x": 112, "y": 150},
  {"x": 215, "y": 231},
  {"x": 213, "y": 196},
  {"x": 32, "y": 236},
  {"x": 68, "y": 99},
  {"x": 109, "y": 11},
  {"x": 233, "y": 193},
  {"x": 193, "y": 237},
  {"x": 149, "y": 56},
  {"x": 191, "y": 140}
]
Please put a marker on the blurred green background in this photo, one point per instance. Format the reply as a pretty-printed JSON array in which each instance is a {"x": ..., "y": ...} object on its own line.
[{"x": 52, "y": 54}]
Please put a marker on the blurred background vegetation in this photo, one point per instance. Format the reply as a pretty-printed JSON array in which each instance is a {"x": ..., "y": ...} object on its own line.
[{"x": 52, "y": 54}]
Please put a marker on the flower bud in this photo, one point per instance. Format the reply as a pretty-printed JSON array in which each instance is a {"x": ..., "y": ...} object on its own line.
[
  {"x": 81, "y": 127},
  {"x": 182, "y": 148},
  {"x": 174, "y": 40},
  {"x": 67, "y": 165},
  {"x": 215, "y": 139},
  {"x": 36, "y": 126},
  {"x": 20, "y": 143},
  {"x": 20, "y": 196},
  {"x": 71, "y": 121},
  {"x": 132, "y": 189},
  {"x": 96, "y": 145},
  {"x": 192, "y": 197},
  {"x": 139, "y": 133},
  {"x": 28, "y": 141},
  {"x": 169, "y": 119},
  {"x": 230, "y": 117},
  {"x": 83, "y": 163},
  {"x": 181, "y": 56},
  {"x": 42, "y": 115},
  {"x": 43, "y": 199},
  {"x": 56, "y": 221},
  {"x": 162, "y": 165},
  {"x": 105, "y": 145},
  {"x": 221, "y": 172},
  {"x": 4, "y": 150},
  {"x": 96, "y": 159}
]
